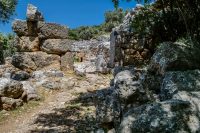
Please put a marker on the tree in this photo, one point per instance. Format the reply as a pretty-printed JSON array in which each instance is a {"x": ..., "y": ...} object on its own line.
[
  {"x": 7, "y": 9},
  {"x": 116, "y": 2}
]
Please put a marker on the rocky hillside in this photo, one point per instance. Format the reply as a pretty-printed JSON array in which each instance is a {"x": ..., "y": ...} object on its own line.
[{"x": 151, "y": 91}]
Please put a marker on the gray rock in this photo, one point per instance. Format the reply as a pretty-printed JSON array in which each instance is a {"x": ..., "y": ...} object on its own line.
[
  {"x": 31, "y": 61},
  {"x": 30, "y": 91},
  {"x": 23, "y": 62},
  {"x": 108, "y": 108},
  {"x": 52, "y": 85},
  {"x": 10, "y": 88},
  {"x": 108, "y": 111},
  {"x": 67, "y": 83},
  {"x": 20, "y": 27},
  {"x": 169, "y": 116},
  {"x": 53, "y": 73},
  {"x": 33, "y": 14},
  {"x": 128, "y": 87},
  {"x": 20, "y": 76},
  {"x": 27, "y": 44},
  {"x": 57, "y": 46},
  {"x": 99, "y": 131},
  {"x": 67, "y": 62},
  {"x": 84, "y": 67},
  {"x": 23, "y": 28},
  {"x": 52, "y": 31},
  {"x": 101, "y": 64},
  {"x": 175, "y": 56},
  {"x": 178, "y": 81},
  {"x": 8, "y": 103},
  {"x": 152, "y": 82}
]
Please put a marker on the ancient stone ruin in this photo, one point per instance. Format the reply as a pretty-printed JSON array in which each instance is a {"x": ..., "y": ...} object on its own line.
[
  {"x": 44, "y": 55},
  {"x": 127, "y": 47},
  {"x": 41, "y": 45},
  {"x": 160, "y": 96}
]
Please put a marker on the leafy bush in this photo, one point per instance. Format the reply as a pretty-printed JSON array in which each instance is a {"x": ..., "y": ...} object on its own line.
[
  {"x": 7, "y": 9},
  {"x": 7, "y": 42},
  {"x": 112, "y": 19},
  {"x": 84, "y": 32},
  {"x": 162, "y": 23}
]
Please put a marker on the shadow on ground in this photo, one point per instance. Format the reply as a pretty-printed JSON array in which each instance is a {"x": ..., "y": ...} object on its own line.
[{"x": 76, "y": 117}]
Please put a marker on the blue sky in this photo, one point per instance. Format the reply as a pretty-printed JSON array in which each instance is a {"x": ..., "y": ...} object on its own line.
[{"x": 72, "y": 13}]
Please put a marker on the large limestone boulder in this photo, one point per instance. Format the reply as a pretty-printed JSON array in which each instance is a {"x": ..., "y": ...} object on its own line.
[
  {"x": 24, "y": 62},
  {"x": 10, "y": 88},
  {"x": 108, "y": 108},
  {"x": 23, "y": 28},
  {"x": 20, "y": 27},
  {"x": 27, "y": 44},
  {"x": 175, "y": 56},
  {"x": 169, "y": 116},
  {"x": 30, "y": 91},
  {"x": 20, "y": 75},
  {"x": 52, "y": 31},
  {"x": 182, "y": 85},
  {"x": 57, "y": 46},
  {"x": 108, "y": 111},
  {"x": 33, "y": 14},
  {"x": 101, "y": 64},
  {"x": 128, "y": 87},
  {"x": 31, "y": 61},
  {"x": 10, "y": 103},
  {"x": 67, "y": 62}
]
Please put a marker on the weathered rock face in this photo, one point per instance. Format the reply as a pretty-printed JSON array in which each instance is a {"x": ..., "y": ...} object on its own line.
[
  {"x": 10, "y": 88},
  {"x": 127, "y": 48},
  {"x": 10, "y": 103},
  {"x": 20, "y": 75},
  {"x": 57, "y": 46},
  {"x": 162, "y": 96},
  {"x": 20, "y": 27},
  {"x": 52, "y": 30},
  {"x": 27, "y": 44},
  {"x": 108, "y": 109},
  {"x": 33, "y": 14},
  {"x": 91, "y": 56},
  {"x": 176, "y": 82},
  {"x": 175, "y": 56},
  {"x": 128, "y": 87},
  {"x": 30, "y": 91},
  {"x": 30, "y": 61},
  {"x": 67, "y": 62},
  {"x": 168, "y": 116}
]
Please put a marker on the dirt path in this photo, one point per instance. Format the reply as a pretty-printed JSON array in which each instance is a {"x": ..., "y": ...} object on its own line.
[{"x": 61, "y": 111}]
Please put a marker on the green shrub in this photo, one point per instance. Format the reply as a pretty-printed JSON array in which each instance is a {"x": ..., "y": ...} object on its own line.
[
  {"x": 112, "y": 19},
  {"x": 7, "y": 42},
  {"x": 84, "y": 32}
]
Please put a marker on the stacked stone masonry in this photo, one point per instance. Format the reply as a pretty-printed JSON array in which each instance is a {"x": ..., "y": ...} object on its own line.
[
  {"x": 127, "y": 47},
  {"x": 40, "y": 45}
]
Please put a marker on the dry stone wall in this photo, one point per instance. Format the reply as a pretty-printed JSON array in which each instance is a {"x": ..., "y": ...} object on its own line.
[
  {"x": 40, "y": 45},
  {"x": 127, "y": 48}
]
